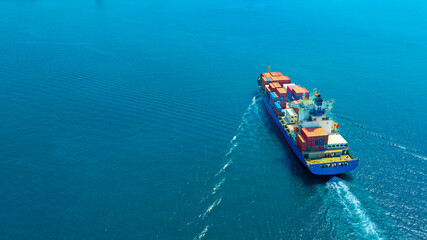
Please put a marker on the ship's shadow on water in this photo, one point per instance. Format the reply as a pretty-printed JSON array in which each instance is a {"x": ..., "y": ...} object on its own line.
[{"x": 298, "y": 169}]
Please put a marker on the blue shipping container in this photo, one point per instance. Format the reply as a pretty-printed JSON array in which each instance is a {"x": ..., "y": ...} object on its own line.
[
  {"x": 268, "y": 79},
  {"x": 273, "y": 97},
  {"x": 277, "y": 106}
]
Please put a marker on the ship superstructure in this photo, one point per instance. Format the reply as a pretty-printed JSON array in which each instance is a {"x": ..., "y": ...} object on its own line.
[{"x": 304, "y": 122}]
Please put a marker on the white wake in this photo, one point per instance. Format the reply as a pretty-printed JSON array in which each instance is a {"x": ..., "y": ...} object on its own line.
[
  {"x": 229, "y": 161},
  {"x": 354, "y": 213}
]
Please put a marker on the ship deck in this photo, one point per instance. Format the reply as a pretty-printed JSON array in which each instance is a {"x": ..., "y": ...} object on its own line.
[{"x": 342, "y": 158}]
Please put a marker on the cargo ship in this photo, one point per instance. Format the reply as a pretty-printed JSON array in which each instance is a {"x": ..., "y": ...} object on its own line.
[{"x": 304, "y": 122}]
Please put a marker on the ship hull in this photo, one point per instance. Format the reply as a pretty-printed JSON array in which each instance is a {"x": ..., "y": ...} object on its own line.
[{"x": 316, "y": 169}]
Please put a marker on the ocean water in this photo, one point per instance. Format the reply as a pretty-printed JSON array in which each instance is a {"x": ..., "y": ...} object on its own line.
[{"x": 141, "y": 119}]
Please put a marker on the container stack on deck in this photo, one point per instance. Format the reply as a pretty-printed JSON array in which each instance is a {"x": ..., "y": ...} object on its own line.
[
  {"x": 279, "y": 89},
  {"x": 273, "y": 83},
  {"x": 297, "y": 93},
  {"x": 312, "y": 139}
]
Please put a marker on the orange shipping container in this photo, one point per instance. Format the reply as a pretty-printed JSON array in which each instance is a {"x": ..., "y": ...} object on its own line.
[
  {"x": 276, "y": 85},
  {"x": 301, "y": 142},
  {"x": 266, "y": 75},
  {"x": 276, "y": 74},
  {"x": 281, "y": 92},
  {"x": 314, "y": 133}
]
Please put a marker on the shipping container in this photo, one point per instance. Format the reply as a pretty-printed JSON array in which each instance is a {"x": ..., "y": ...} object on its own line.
[
  {"x": 268, "y": 90},
  {"x": 336, "y": 141},
  {"x": 280, "y": 92},
  {"x": 282, "y": 104},
  {"x": 265, "y": 81},
  {"x": 274, "y": 97},
  {"x": 276, "y": 74},
  {"x": 276, "y": 85},
  {"x": 277, "y": 106},
  {"x": 273, "y": 87},
  {"x": 301, "y": 142},
  {"x": 282, "y": 79},
  {"x": 314, "y": 134},
  {"x": 265, "y": 74},
  {"x": 289, "y": 88},
  {"x": 299, "y": 92}
]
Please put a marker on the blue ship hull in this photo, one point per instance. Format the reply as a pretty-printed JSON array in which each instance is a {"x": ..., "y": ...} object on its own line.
[{"x": 317, "y": 169}]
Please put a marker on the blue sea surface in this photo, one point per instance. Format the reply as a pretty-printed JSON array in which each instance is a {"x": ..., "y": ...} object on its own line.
[{"x": 142, "y": 119}]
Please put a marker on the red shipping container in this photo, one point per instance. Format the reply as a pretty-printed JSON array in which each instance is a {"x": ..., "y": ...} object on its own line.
[
  {"x": 268, "y": 90},
  {"x": 276, "y": 74},
  {"x": 296, "y": 110},
  {"x": 282, "y": 79},
  {"x": 283, "y": 104},
  {"x": 272, "y": 87}
]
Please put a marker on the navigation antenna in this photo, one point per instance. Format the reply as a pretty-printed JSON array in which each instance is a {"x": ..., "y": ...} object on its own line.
[{"x": 268, "y": 68}]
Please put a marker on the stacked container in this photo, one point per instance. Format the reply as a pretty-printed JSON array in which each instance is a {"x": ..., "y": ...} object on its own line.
[
  {"x": 265, "y": 81},
  {"x": 281, "y": 79},
  {"x": 274, "y": 85},
  {"x": 281, "y": 93},
  {"x": 276, "y": 74},
  {"x": 278, "y": 109},
  {"x": 289, "y": 89},
  {"x": 298, "y": 92},
  {"x": 274, "y": 97},
  {"x": 301, "y": 142},
  {"x": 315, "y": 138},
  {"x": 268, "y": 90},
  {"x": 266, "y": 75},
  {"x": 291, "y": 115}
]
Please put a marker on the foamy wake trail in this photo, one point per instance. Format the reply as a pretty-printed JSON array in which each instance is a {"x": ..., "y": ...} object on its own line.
[
  {"x": 229, "y": 161},
  {"x": 203, "y": 233},
  {"x": 209, "y": 209},
  {"x": 218, "y": 186},
  {"x": 240, "y": 129},
  {"x": 354, "y": 213}
]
